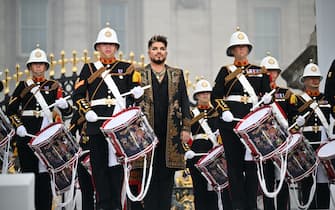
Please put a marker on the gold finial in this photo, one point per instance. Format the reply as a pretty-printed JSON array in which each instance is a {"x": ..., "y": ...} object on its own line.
[
  {"x": 120, "y": 55},
  {"x": 142, "y": 60},
  {"x": 96, "y": 55},
  {"x": 85, "y": 58},
  {"x": 74, "y": 61},
  {"x": 17, "y": 75},
  {"x": 238, "y": 28},
  {"x": 52, "y": 65},
  {"x": 62, "y": 62},
  {"x": 132, "y": 56},
  {"x": 7, "y": 79}
]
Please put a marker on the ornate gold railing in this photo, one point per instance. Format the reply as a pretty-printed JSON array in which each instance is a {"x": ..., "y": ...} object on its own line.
[{"x": 65, "y": 70}]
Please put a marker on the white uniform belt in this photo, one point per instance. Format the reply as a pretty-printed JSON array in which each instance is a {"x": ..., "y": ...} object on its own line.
[
  {"x": 103, "y": 101},
  {"x": 312, "y": 128},
  {"x": 32, "y": 113},
  {"x": 239, "y": 98},
  {"x": 200, "y": 136}
]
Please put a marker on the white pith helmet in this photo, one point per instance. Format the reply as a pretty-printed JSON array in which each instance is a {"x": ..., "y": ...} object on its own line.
[
  {"x": 270, "y": 63},
  {"x": 202, "y": 86},
  {"x": 238, "y": 38},
  {"x": 107, "y": 35},
  {"x": 311, "y": 70},
  {"x": 38, "y": 56}
]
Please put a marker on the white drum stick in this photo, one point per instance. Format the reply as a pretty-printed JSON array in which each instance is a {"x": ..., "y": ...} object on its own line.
[
  {"x": 104, "y": 118},
  {"x": 51, "y": 105},
  {"x": 31, "y": 135},
  {"x": 261, "y": 101},
  {"x": 237, "y": 119},
  {"x": 295, "y": 123},
  {"x": 128, "y": 93}
]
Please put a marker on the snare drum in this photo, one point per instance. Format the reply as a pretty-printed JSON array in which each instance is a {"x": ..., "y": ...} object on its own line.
[
  {"x": 261, "y": 132},
  {"x": 6, "y": 133},
  {"x": 54, "y": 146},
  {"x": 130, "y": 134},
  {"x": 214, "y": 168},
  {"x": 5, "y": 148},
  {"x": 301, "y": 159},
  {"x": 6, "y": 129},
  {"x": 326, "y": 154},
  {"x": 63, "y": 177}
]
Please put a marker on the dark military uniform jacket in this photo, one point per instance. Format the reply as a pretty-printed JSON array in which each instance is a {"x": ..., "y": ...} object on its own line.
[
  {"x": 178, "y": 112},
  {"x": 78, "y": 123},
  {"x": 23, "y": 100},
  {"x": 330, "y": 87},
  {"x": 227, "y": 84},
  {"x": 313, "y": 125},
  {"x": 201, "y": 143},
  {"x": 286, "y": 100},
  {"x": 90, "y": 86}
]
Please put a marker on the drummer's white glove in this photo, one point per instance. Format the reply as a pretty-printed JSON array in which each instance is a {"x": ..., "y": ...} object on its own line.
[
  {"x": 62, "y": 103},
  {"x": 267, "y": 98},
  {"x": 189, "y": 155},
  {"x": 21, "y": 131},
  {"x": 91, "y": 116},
  {"x": 227, "y": 116},
  {"x": 300, "y": 121},
  {"x": 137, "y": 92}
]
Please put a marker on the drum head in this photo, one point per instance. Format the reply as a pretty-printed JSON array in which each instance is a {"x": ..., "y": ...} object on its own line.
[
  {"x": 212, "y": 154},
  {"x": 122, "y": 119},
  {"x": 293, "y": 140},
  {"x": 46, "y": 133},
  {"x": 253, "y": 118},
  {"x": 327, "y": 151}
]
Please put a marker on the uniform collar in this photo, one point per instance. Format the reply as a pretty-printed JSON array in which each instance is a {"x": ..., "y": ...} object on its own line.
[
  {"x": 108, "y": 60},
  {"x": 313, "y": 92},
  {"x": 208, "y": 106},
  {"x": 39, "y": 79},
  {"x": 241, "y": 63},
  {"x": 273, "y": 85}
]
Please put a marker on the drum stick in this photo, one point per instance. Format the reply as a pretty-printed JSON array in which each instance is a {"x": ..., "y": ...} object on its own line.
[
  {"x": 295, "y": 123},
  {"x": 104, "y": 118},
  {"x": 128, "y": 93},
  {"x": 237, "y": 119},
  {"x": 51, "y": 105},
  {"x": 261, "y": 101},
  {"x": 31, "y": 135}
]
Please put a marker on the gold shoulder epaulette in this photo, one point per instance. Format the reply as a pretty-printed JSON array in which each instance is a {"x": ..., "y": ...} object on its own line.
[
  {"x": 83, "y": 106},
  {"x": 137, "y": 77},
  {"x": 221, "y": 105}
]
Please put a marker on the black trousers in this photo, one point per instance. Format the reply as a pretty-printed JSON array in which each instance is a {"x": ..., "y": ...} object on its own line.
[
  {"x": 160, "y": 190},
  {"x": 283, "y": 201},
  {"x": 242, "y": 174},
  {"x": 29, "y": 164},
  {"x": 108, "y": 180},
  {"x": 321, "y": 197},
  {"x": 86, "y": 187}
]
